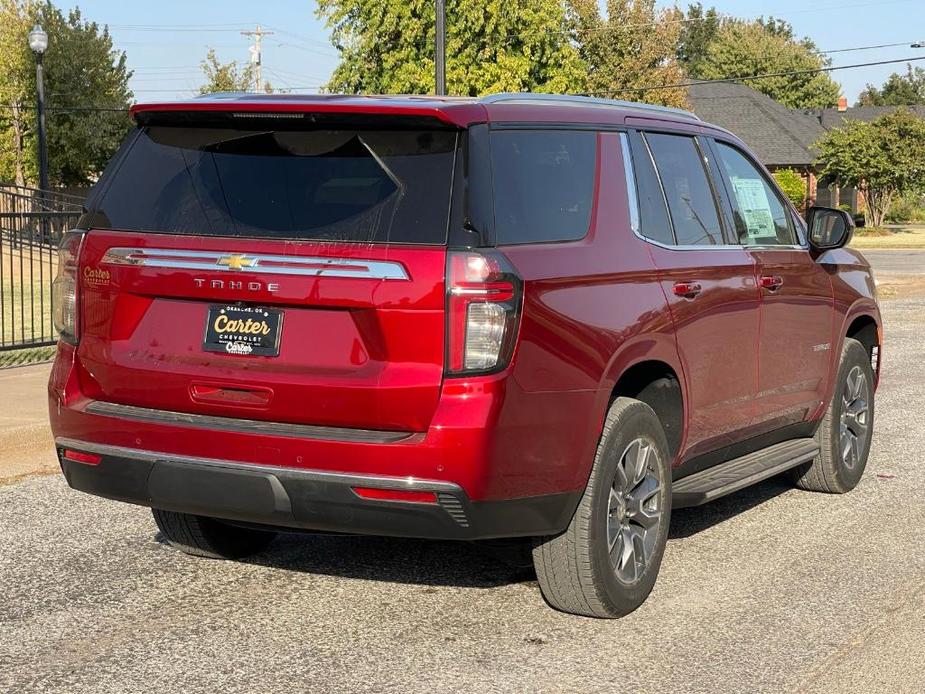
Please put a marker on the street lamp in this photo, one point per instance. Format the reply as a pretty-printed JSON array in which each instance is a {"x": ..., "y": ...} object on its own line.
[{"x": 38, "y": 42}]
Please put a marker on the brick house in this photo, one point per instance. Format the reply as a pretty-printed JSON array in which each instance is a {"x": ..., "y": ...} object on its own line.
[
  {"x": 829, "y": 118},
  {"x": 780, "y": 137}
]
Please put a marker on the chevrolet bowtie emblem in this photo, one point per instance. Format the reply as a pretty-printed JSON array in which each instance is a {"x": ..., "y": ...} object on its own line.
[{"x": 237, "y": 261}]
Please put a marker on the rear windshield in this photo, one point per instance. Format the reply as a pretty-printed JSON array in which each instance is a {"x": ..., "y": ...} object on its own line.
[{"x": 372, "y": 186}]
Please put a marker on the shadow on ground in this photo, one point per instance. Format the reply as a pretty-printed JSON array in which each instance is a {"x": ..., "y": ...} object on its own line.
[
  {"x": 690, "y": 521},
  {"x": 462, "y": 564}
]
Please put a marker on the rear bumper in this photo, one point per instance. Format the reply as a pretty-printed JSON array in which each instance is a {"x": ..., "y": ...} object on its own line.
[{"x": 305, "y": 499}]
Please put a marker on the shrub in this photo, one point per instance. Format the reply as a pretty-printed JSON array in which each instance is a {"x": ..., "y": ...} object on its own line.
[
  {"x": 793, "y": 185},
  {"x": 910, "y": 208}
]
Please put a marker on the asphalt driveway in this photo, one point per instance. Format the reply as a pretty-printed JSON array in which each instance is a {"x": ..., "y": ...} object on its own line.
[
  {"x": 771, "y": 589},
  {"x": 900, "y": 261}
]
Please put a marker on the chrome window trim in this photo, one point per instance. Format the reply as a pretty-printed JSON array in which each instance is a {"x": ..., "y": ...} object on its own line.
[
  {"x": 377, "y": 481},
  {"x": 632, "y": 194},
  {"x": 313, "y": 266}
]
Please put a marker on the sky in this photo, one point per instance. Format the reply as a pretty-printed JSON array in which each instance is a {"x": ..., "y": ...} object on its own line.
[{"x": 165, "y": 41}]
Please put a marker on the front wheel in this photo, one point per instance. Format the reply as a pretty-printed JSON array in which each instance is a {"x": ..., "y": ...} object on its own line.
[
  {"x": 845, "y": 432},
  {"x": 606, "y": 562}
]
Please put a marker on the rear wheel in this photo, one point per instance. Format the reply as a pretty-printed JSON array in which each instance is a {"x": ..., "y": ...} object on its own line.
[
  {"x": 606, "y": 562},
  {"x": 845, "y": 433},
  {"x": 208, "y": 537}
]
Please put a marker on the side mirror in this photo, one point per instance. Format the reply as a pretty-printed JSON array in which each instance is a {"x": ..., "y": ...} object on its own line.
[{"x": 829, "y": 228}]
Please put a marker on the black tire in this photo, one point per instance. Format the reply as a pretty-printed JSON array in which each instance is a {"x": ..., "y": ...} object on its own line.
[
  {"x": 208, "y": 537},
  {"x": 833, "y": 471},
  {"x": 575, "y": 569}
]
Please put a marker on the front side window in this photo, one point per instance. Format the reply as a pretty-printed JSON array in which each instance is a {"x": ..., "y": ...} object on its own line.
[
  {"x": 761, "y": 218},
  {"x": 543, "y": 184},
  {"x": 687, "y": 189}
]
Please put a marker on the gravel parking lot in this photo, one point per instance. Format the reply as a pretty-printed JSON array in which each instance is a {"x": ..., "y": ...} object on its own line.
[{"x": 771, "y": 589}]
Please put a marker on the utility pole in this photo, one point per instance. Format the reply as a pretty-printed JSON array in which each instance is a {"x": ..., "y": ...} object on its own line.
[
  {"x": 440, "y": 48},
  {"x": 256, "y": 55}
]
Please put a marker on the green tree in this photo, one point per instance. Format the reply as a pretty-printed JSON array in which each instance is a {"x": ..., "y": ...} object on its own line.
[
  {"x": 743, "y": 49},
  {"x": 898, "y": 90},
  {"x": 387, "y": 46},
  {"x": 698, "y": 29},
  {"x": 793, "y": 185},
  {"x": 86, "y": 85},
  {"x": 883, "y": 159},
  {"x": 634, "y": 46},
  {"x": 227, "y": 77}
]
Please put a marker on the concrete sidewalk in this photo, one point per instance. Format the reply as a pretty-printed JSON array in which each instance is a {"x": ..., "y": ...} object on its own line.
[{"x": 25, "y": 442}]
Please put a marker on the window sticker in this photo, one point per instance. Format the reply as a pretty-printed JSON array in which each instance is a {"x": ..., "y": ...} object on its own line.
[{"x": 755, "y": 207}]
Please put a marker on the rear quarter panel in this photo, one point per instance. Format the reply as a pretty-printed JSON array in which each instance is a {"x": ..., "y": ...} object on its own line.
[{"x": 592, "y": 308}]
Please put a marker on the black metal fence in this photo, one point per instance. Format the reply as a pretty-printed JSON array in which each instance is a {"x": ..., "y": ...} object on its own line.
[{"x": 32, "y": 223}]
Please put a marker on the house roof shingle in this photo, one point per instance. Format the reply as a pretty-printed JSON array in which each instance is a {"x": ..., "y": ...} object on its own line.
[{"x": 779, "y": 136}]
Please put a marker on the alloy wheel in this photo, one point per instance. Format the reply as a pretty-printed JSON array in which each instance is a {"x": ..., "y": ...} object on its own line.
[
  {"x": 854, "y": 426},
  {"x": 634, "y": 511}
]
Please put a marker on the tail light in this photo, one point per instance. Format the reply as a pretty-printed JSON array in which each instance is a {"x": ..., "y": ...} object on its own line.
[
  {"x": 65, "y": 288},
  {"x": 483, "y": 307}
]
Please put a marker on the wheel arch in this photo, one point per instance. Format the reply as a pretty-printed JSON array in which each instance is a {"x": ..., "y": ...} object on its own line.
[
  {"x": 658, "y": 385},
  {"x": 648, "y": 369},
  {"x": 862, "y": 323}
]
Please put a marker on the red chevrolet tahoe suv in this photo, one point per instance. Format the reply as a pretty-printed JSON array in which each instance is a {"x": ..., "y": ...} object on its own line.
[{"x": 520, "y": 316}]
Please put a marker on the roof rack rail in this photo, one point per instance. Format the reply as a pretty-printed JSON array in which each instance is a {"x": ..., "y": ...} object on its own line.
[{"x": 579, "y": 100}]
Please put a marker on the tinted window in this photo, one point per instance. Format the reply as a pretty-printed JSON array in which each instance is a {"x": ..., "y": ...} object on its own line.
[
  {"x": 687, "y": 189},
  {"x": 340, "y": 185},
  {"x": 761, "y": 218},
  {"x": 543, "y": 184},
  {"x": 654, "y": 222}
]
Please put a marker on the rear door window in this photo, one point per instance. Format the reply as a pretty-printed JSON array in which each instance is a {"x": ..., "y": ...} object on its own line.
[
  {"x": 543, "y": 184},
  {"x": 687, "y": 189},
  {"x": 371, "y": 186}
]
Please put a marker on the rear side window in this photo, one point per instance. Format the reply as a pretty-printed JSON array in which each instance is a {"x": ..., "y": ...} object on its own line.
[
  {"x": 543, "y": 184},
  {"x": 654, "y": 223},
  {"x": 340, "y": 185},
  {"x": 687, "y": 190}
]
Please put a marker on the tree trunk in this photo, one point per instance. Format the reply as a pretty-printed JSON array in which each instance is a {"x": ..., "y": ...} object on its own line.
[
  {"x": 18, "y": 138},
  {"x": 878, "y": 204}
]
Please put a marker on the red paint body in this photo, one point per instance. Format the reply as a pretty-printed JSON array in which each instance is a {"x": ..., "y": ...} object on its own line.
[{"x": 370, "y": 354}]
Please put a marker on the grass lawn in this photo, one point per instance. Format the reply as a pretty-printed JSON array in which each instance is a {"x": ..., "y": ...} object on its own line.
[
  {"x": 893, "y": 237},
  {"x": 30, "y": 355},
  {"x": 25, "y": 295}
]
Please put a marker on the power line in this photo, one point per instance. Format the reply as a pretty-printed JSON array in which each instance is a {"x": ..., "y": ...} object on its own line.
[
  {"x": 766, "y": 75},
  {"x": 791, "y": 73},
  {"x": 869, "y": 48}
]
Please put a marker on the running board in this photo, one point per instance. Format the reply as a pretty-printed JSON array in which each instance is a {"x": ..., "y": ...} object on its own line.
[{"x": 739, "y": 473}]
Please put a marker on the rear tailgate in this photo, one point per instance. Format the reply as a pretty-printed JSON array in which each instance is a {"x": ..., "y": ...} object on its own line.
[{"x": 283, "y": 276}]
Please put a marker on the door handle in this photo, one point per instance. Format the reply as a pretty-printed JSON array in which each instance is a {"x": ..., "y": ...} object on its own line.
[
  {"x": 771, "y": 282},
  {"x": 687, "y": 290}
]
